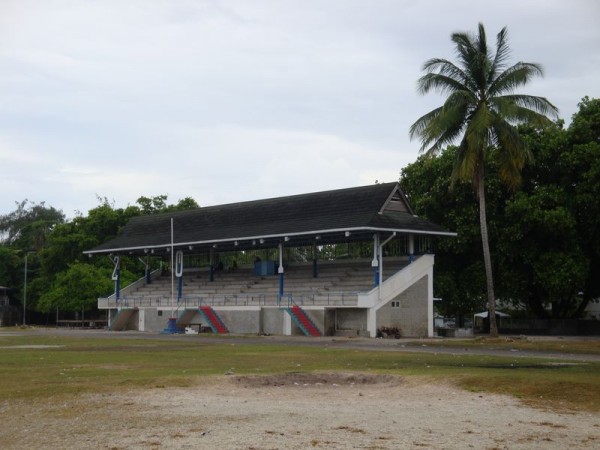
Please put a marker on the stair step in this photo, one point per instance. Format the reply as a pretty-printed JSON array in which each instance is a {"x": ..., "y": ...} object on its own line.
[
  {"x": 304, "y": 321},
  {"x": 215, "y": 322}
]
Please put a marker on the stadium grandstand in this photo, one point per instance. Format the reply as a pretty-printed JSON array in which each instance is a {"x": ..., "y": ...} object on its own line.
[{"x": 341, "y": 262}]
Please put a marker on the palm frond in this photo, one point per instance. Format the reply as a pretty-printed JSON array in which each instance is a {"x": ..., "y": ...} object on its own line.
[
  {"x": 465, "y": 47},
  {"x": 442, "y": 125},
  {"x": 502, "y": 53},
  {"x": 467, "y": 163},
  {"x": 482, "y": 40},
  {"x": 448, "y": 135},
  {"x": 439, "y": 65},
  {"x": 443, "y": 129},
  {"x": 444, "y": 67},
  {"x": 477, "y": 132},
  {"x": 511, "y": 153},
  {"x": 517, "y": 75},
  {"x": 417, "y": 128},
  {"x": 438, "y": 83},
  {"x": 525, "y": 108}
]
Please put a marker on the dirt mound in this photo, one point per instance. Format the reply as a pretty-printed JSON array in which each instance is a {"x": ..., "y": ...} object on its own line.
[{"x": 316, "y": 379}]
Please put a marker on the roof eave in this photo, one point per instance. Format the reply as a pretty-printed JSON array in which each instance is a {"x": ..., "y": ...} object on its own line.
[{"x": 269, "y": 236}]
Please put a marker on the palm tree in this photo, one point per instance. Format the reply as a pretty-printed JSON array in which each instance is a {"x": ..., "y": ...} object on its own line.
[{"x": 482, "y": 110}]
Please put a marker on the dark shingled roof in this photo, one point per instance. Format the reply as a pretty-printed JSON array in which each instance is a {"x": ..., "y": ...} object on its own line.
[{"x": 299, "y": 218}]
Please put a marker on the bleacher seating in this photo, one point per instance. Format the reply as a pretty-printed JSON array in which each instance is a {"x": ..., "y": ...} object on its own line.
[{"x": 338, "y": 282}]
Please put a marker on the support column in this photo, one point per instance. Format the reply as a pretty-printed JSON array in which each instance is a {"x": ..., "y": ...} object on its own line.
[
  {"x": 280, "y": 270},
  {"x": 116, "y": 276},
  {"x": 211, "y": 262},
  {"x": 430, "y": 327},
  {"x": 315, "y": 266},
  {"x": 146, "y": 264},
  {"x": 148, "y": 277},
  {"x": 179, "y": 274},
  {"x": 411, "y": 248},
  {"x": 287, "y": 323},
  {"x": 375, "y": 263}
]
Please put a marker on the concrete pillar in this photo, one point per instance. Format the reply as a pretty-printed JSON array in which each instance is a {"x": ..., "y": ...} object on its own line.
[
  {"x": 179, "y": 273},
  {"x": 287, "y": 323},
  {"x": 315, "y": 266},
  {"x": 280, "y": 269},
  {"x": 147, "y": 272},
  {"x": 376, "y": 259},
  {"x": 116, "y": 276}
]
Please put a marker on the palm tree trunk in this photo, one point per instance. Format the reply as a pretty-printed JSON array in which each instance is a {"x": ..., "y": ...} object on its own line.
[{"x": 487, "y": 258}]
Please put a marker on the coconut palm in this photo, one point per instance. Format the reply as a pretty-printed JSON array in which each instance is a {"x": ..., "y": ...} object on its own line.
[{"x": 481, "y": 109}]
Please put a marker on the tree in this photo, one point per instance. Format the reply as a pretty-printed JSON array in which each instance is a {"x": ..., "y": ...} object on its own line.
[
  {"x": 77, "y": 289},
  {"x": 552, "y": 224},
  {"x": 158, "y": 204},
  {"x": 27, "y": 227},
  {"x": 584, "y": 187},
  {"x": 481, "y": 109},
  {"x": 460, "y": 274},
  {"x": 541, "y": 258},
  {"x": 545, "y": 237},
  {"x": 10, "y": 267}
]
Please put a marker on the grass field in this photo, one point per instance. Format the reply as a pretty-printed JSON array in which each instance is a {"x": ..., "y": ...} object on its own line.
[
  {"x": 559, "y": 345},
  {"x": 45, "y": 367}
]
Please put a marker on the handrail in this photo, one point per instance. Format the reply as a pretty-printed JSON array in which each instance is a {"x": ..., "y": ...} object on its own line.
[
  {"x": 135, "y": 285},
  {"x": 330, "y": 298}
]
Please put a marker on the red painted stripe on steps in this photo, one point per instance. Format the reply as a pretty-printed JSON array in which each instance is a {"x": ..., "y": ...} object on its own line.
[
  {"x": 303, "y": 318},
  {"x": 214, "y": 320}
]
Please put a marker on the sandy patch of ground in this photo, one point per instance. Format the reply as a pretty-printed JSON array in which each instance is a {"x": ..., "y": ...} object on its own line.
[{"x": 294, "y": 411}]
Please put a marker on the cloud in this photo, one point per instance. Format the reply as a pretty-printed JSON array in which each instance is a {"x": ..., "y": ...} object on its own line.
[{"x": 233, "y": 100}]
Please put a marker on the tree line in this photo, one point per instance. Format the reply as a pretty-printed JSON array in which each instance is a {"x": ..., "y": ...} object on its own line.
[
  {"x": 544, "y": 237},
  {"x": 60, "y": 276}
]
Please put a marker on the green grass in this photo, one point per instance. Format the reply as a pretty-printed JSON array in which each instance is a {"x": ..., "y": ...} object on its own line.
[
  {"x": 590, "y": 347},
  {"x": 77, "y": 365}
]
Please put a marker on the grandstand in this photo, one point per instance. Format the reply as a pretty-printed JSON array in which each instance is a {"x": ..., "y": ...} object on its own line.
[{"x": 343, "y": 262}]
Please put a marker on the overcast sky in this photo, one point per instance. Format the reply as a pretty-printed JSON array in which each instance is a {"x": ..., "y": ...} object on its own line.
[{"x": 226, "y": 101}]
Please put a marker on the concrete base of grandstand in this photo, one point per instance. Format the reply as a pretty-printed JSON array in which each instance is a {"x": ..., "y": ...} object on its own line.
[{"x": 404, "y": 301}]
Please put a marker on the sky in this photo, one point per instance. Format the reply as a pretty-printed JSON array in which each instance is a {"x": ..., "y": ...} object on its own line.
[{"x": 227, "y": 101}]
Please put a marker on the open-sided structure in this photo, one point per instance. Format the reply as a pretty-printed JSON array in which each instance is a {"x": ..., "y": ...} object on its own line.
[{"x": 298, "y": 285}]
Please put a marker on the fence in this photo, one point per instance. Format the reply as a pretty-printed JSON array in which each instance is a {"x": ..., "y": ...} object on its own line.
[{"x": 547, "y": 327}]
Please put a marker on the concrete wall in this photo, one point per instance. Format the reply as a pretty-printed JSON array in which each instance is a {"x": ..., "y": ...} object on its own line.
[
  {"x": 147, "y": 319},
  {"x": 329, "y": 322},
  {"x": 272, "y": 320},
  {"x": 411, "y": 313},
  {"x": 241, "y": 320},
  {"x": 153, "y": 322},
  {"x": 351, "y": 319}
]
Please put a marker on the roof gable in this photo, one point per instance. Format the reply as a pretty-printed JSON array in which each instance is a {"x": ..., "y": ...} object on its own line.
[{"x": 396, "y": 202}]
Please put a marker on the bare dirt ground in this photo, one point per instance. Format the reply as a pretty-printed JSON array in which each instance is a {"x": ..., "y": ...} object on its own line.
[{"x": 294, "y": 411}]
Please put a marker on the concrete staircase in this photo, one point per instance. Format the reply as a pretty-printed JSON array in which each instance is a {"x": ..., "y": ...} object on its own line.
[
  {"x": 214, "y": 321},
  {"x": 185, "y": 317},
  {"x": 303, "y": 321},
  {"x": 122, "y": 319}
]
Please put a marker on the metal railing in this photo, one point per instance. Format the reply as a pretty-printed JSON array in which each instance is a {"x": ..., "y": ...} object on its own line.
[
  {"x": 341, "y": 298},
  {"x": 255, "y": 299}
]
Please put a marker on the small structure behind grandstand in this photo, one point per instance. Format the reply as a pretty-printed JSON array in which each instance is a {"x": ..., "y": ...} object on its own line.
[{"x": 342, "y": 262}]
